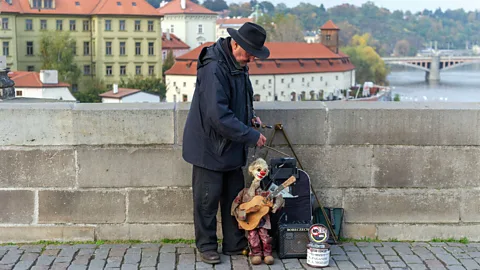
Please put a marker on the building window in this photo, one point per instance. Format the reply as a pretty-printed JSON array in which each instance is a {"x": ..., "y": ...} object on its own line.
[
  {"x": 151, "y": 48},
  {"x": 138, "y": 48},
  {"x": 30, "y": 68},
  {"x": 283, "y": 80},
  {"x": 30, "y": 48},
  {"x": 256, "y": 82},
  {"x": 336, "y": 77},
  {"x": 184, "y": 98},
  {"x": 48, "y": 3},
  {"x": 256, "y": 97},
  {"x": 122, "y": 47},
  {"x": 6, "y": 48},
  {"x": 184, "y": 84},
  {"x": 37, "y": 3},
  {"x": 86, "y": 25},
  {"x": 303, "y": 79},
  {"x": 59, "y": 25},
  {"x": 312, "y": 79},
  {"x": 86, "y": 70},
  {"x": 121, "y": 27},
  {"x": 150, "y": 26},
  {"x": 328, "y": 37},
  {"x": 108, "y": 71},
  {"x": 123, "y": 70},
  {"x": 73, "y": 25},
  {"x": 18, "y": 93},
  {"x": 74, "y": 48},
  {"x": 137, "y": 25},
  {"x": 269, "y": 81},
  {"x": 138, "y": 70},
  {"x": 86, "y": 48},
  {"x": 200, "y": 29},
  {"x": 172, "y": 28},
  {"x": 4, "y": 23},
  {"x": 321, "y": 78},
  {"x": 43, "y": 24},
  {"x": 108, "y": 25},
  {"x": 108, "y": 48},
  {"x": 28, "y": 25},
  {"x": 151, "y": 70}
]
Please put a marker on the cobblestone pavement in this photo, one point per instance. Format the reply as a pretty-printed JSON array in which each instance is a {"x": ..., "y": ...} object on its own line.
[{"x": 360, "y": 255}]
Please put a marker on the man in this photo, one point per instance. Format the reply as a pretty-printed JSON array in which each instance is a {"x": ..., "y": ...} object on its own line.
[{"x": 218, "y": 131}]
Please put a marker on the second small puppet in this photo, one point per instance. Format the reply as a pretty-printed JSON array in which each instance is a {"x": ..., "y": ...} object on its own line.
[{"x": 258, "y": 238}]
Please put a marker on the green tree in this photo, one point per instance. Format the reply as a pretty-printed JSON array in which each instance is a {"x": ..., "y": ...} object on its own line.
[
  {"x": 57, "y": 53},
  {"x": 168, "y": 62},
  {"x": 93, "y": 88},
  {"x": 282, "y": 28},
  {"x": 369, "y": 66},
  {"x": 148, "y": 84}
]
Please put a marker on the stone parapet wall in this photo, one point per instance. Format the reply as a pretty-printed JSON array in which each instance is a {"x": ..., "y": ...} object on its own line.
[{"x": 114, "y": 171}]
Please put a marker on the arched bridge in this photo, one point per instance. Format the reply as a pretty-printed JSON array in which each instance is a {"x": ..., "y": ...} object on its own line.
[{"x": 432, "y": 65}]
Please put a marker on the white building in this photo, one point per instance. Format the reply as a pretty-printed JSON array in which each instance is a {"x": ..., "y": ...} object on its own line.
[
  {"x": 294, "y": 71},
  {"x": 190, "y": 22},
  {"x": 41, "y": 85},
  {"x": 127, "y": 95},
  {"x": 224, "y": 23},
  {"x": 173, "y": 43}
]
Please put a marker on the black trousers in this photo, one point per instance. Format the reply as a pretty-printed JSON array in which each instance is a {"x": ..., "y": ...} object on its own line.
[{"x": 209, "y": 189}]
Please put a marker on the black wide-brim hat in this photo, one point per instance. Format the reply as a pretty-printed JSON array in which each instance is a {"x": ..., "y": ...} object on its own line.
[{"x": 251, "y": 37}]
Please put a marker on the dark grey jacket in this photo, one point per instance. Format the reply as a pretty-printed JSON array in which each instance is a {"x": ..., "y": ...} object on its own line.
[{"x": 218, "y": 129}]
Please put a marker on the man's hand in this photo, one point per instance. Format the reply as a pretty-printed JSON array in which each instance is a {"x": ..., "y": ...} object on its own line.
[
  {"x": 256, "y": 122},
  {"x": 261, "y": 140}
]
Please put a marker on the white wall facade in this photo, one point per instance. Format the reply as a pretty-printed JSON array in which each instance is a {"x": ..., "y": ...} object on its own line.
[
  {"x": 140, "y": 97},
  {"x": 60, "y": 93},
  {"x": 186, "y": 27},
  {"x": 268, "y": 86}
]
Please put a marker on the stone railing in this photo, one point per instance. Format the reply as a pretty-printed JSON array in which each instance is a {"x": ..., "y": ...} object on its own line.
[{"x": 104, "y": 171}]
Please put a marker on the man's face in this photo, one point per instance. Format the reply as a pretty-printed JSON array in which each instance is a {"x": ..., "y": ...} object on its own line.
[{"x": 242, "y": 56}]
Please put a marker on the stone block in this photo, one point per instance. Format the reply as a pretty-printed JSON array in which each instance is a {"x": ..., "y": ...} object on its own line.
[
  {"x": 164, "y": 205},
  {"x": 145, "y": 232},
  {"x": 331, "y": 167},
  {"x": 329, "y": 197},
  {"x": 52, "y": 122},
  {"x": 16, "y": 206},
  {"x": 303, "y": 122},
  {"x": 400, "y": 123},
  {"x": 61, "y": 206},
  {"x": 132, "y": 167},
  {"x": 432, "y": 167},
  {"x": 181, "y": 113},
  {"x": 357, "y": 231},
  {"x": 470, "y": 206},
  {"x": 35, "y": 167},
  {"x": 25, "y": 234},
  {"x": 402, "y": 206},
  {"x": 130, "y": 124}
]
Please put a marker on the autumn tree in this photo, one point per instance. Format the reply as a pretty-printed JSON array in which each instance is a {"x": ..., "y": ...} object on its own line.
[
  {"x": 402, "y": 48},
  {"x": 57, "y": 52},
  {"x": 282, "y": 28},
  {"x": 369, "y": 66},
  {"x": 168, "y": 62}
]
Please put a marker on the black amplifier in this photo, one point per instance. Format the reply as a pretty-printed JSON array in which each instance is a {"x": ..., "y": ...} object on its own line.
[{"x": 292, "y": 240}]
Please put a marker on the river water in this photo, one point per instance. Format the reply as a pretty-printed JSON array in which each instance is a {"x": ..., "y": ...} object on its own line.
[{"x": 454, "y": 86}]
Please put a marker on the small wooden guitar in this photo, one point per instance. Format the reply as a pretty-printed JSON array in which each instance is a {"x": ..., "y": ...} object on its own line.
[{"x": 259, "y": 206}]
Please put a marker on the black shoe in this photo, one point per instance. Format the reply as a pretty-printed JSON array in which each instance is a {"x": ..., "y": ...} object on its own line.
[
  {"x": 210, "y": 257},
  {"x": 243, "y": 251}
]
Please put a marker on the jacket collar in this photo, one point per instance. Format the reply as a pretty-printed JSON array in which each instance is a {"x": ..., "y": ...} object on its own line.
[{"x": 226, "y": 49}]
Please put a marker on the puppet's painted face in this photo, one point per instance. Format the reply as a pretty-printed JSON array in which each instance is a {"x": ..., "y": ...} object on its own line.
[{"x": 258, "y": 169}]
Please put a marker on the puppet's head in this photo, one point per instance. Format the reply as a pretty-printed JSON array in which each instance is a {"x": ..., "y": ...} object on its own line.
[{"x": 258, "y": 169}]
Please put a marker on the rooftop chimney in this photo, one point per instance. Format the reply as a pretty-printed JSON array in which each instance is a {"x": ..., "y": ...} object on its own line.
[
  {"x": 183, "y": 4},
  {"x": 115, "y": 88},
  {"x": 49, "y": 76},
  {"x": 167, "y": 35}
]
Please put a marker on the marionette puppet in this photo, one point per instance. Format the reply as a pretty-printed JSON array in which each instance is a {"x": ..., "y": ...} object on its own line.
[{"x": 252, "y": 208}]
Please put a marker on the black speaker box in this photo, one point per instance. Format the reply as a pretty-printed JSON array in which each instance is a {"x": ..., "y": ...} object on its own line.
[{"x": 293, "y": 240}]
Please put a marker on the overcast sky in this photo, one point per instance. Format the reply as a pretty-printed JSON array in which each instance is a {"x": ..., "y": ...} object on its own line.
[{"x": 412, "y": 5}]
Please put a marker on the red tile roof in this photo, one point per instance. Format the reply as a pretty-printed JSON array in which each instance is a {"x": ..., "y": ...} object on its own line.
[
  {"x": 329, "y": 25},
  {"x": 285, "y": 58},
  {"x": 88, "y": 7},
  {"x": 122, "y": 92},
  {"x": 239, "y": 21},
  {"x": 32, "y": 80},
  {"x": 173, "y": 43},
  {"x": 174, "y": 7},
  {"x": 10, "y": 8}
]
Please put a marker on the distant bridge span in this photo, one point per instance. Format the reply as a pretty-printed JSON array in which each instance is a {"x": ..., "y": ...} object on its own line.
[{"x": 432, "y": 65}]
